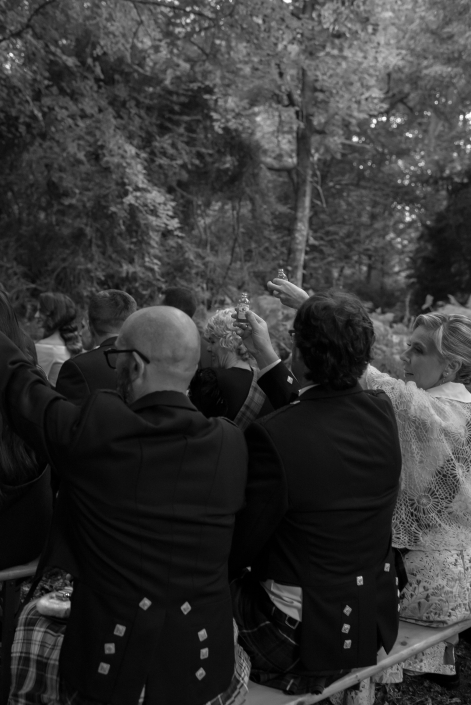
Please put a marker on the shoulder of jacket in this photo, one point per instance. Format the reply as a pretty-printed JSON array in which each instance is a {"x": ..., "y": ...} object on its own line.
[
  {"x": 288, "y": 408},
  {"x": 376, "y": 393},
  {"x": 227, "y": 421}
]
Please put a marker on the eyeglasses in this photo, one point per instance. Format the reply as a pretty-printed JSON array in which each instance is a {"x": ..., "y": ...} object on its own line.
[{"x": 112, "y": 356}]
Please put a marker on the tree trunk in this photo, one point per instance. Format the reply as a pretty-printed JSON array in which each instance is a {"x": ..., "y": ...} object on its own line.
[{"x": 304, "y": 165}]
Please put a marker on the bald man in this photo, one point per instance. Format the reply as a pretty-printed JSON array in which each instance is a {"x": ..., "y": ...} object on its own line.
[{"x": 144, "y": 520}]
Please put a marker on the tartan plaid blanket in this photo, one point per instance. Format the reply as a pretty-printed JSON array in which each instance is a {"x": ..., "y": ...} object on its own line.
[
  {"x": 250, "y": 409},
  {"x": 35, "y": 666}
]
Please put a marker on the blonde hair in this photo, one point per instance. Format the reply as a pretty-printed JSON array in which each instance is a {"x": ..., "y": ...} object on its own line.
[
  {"x": 221, "y": 327},
  {"x": 451, "y": 334}
]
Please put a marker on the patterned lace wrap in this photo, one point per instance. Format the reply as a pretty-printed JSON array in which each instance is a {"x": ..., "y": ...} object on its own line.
[{"x": 433, "y": 509}]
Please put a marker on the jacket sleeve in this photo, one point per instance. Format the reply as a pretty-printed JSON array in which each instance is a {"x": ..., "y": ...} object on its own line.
[
  {"x": 37, "y": 413},
  {"x": 265, "y": 500},
  {"x": 280, "y": 385},
  {"x": 72, "y": 384}
]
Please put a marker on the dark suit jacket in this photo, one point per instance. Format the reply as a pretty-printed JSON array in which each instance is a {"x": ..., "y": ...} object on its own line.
[
  {"x": 86, "y": 373},
  {"x": 146, "y": 507},
  {"x": 323, "y": 480}
]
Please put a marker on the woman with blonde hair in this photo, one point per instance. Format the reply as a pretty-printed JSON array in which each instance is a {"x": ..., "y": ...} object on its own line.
[{"x": 229, "y": 387}]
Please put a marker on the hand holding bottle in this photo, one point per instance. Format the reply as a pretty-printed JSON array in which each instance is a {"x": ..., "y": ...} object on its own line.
[{"x": 288, "y": 293}]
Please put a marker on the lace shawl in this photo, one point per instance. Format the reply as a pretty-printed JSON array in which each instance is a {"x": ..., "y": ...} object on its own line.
[{"x": 433, "y": 509}]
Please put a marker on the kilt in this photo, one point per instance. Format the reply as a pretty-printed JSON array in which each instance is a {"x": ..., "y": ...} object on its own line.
[
  {"x": 271, "y": 639},
  {"x": 35, "y": 666}
]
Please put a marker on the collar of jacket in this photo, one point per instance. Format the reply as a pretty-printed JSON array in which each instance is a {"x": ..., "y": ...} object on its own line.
[
  {"x": 323, "y": 391},
  {"x": 166, "y": 398},
  {"x": 109, "y": 341}
]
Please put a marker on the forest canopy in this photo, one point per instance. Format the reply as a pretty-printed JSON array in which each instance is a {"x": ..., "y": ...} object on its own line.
[{"x": 147, "y": 143}]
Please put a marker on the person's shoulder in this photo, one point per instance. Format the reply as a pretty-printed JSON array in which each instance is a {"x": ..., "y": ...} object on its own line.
[
  {"x": 232, "y": 375},
  {"x": 280, "y": 415},
  {"x": 378, "y": 393}
]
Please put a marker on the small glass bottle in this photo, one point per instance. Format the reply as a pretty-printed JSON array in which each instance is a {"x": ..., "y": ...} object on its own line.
[
  {"x": 242, "y": 307},
  {"x": 281, "y": 275}
]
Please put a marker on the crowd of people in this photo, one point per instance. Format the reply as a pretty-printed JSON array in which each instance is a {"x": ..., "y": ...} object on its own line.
[{"x": 199, "y": 524}]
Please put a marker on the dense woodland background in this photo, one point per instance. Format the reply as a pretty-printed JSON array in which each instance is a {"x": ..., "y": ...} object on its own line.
[{"x": 146, "y": 143}]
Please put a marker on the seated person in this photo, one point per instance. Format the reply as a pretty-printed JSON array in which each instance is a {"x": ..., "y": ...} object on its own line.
[
  {"x": 25, "y": 479},
  {"x": 431, "y": 524},
  {"x": 229, "y": 387},
  {"x": 143, "y": 521},
  {"x": 321, "y": 596},
  {"x": 84, "y": 374}
]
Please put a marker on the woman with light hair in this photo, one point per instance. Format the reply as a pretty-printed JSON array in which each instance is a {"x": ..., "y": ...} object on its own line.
[{"x": 229, "y": 387}]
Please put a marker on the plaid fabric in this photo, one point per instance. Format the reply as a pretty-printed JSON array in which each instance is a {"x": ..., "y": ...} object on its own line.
[
  {"x": 250, "y": 409},
  {"x": 35, "y": 666},
  {"x": 271, "y": 639},
  {"x": 35, "y": 658}
]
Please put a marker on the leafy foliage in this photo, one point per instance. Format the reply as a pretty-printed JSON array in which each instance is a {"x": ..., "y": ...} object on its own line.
[{"x": 209, "y": 143}]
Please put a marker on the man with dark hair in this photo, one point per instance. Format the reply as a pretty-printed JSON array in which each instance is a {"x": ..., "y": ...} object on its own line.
[
  {"x": 86, "y": 373},
  {"x": 321, "y": 597},
  {"x": 180, "y": 297}
]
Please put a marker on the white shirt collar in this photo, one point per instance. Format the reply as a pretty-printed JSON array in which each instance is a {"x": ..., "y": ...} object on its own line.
[
  {"x": 451, "y": 390},
  {"x": 309, "y": 386}
]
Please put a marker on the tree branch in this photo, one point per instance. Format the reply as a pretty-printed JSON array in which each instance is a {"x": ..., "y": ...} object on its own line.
[
  {"x": 26, "y": 26},
  {"x": 272, "y": 166}
]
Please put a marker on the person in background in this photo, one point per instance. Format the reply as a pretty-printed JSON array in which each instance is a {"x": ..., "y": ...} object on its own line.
[
  {"x": 229, "y": 387},
  {"x": 56, "y": 314},
  {"x": 180, "y": 297},
  {"x": 84, "y": 374},
  {"x": 25, "y": 482},
  {"x": 321, "y": 596}
]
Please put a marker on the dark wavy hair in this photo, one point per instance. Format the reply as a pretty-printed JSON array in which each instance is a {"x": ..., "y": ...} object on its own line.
[
  {"x": 335, "y": 336},
  {"x": 108, "y": 309},
  {"x": 59, "y": 312},
  {"x": 17, "y": 461}
]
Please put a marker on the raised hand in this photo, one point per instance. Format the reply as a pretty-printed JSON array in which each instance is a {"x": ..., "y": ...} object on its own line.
[
  {"x": 288, "y": 293},
  {"x": 256, "y": 338}
]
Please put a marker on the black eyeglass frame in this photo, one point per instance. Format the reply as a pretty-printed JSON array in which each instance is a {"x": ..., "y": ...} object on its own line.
[{"x": 115, "y": 351}]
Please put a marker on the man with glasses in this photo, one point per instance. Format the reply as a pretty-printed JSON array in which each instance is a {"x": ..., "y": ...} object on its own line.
[
  {"x": 143, "y": 521},
  {"x": 86, "y": 373}
]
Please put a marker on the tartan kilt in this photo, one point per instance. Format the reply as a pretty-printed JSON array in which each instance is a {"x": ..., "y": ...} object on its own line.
[
  {"x": 272, "y": 640},
  {"x": 35, "y": 666}
]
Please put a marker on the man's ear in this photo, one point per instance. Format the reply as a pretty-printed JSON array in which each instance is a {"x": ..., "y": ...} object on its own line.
[{"x": 137, "y": 367}]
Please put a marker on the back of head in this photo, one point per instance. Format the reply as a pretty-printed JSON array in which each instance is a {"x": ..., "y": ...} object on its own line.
[
  {"x": 221, "y": 327},
  {"x": 17, "y": 461},
  {"x": 182, "y": 298},
  {"x": 108, "y": 309},
  {"x": 170, "y": 340},
  {"x": 335, "y": 336},
  {"x": 451, "y": 334},
  {"x": 59, "y": 313}
]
